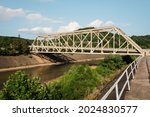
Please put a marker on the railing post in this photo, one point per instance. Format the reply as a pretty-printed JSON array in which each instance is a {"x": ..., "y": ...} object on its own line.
[
  {"x": 117, "y": 95},
  {"x": 132, "y": 71},
  {"x": 135, "y": 66},
  {"x": 128, "y": 82}
]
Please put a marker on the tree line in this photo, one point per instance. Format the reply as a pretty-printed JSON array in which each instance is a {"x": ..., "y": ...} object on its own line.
[
  {"x": 142, "y": 41},
  {"x": 11, "y": 46}
]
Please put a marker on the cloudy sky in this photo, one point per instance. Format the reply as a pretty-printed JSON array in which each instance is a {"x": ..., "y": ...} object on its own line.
[{"x": 30, "y": 18}]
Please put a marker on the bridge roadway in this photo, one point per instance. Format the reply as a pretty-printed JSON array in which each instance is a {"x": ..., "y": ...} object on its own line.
[{"x": 140, "y": 86}]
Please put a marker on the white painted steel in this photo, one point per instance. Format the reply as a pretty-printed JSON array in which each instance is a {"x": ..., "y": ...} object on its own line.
[
  {"x": 133, "y": 66},
  {"x": 107, "y": 40}
]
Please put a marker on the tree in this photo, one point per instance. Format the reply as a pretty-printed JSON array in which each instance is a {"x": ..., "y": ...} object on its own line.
[
  {"x": 10, "y": 46},
  {"x": 20, "y": 87}
]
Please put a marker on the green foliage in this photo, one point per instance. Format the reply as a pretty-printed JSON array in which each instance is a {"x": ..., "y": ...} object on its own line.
[
  {"x": 142, "y": 41},
  {"x": 81, "y": 80},
  {"x": 14, "y": 46},
  {"x": 103, "y": 71},
  {"x": 20, "y": 87},
  {"x": 112, "y": 62},
  {"x": 77, "y": 83}
]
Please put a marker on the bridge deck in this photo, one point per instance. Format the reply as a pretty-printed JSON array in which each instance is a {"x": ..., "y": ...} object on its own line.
[{"x": 140, "y": 86}]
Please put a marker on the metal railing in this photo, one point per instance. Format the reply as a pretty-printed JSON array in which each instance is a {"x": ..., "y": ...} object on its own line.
[{"x": 127, "y": 75}]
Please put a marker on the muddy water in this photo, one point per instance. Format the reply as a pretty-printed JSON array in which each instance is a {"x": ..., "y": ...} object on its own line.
[{"x": 46, "y": 73}]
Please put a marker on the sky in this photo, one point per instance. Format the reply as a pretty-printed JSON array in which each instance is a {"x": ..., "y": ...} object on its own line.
[{"x": 30, "y": 18}]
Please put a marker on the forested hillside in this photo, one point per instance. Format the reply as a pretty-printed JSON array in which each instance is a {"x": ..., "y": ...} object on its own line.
[
  {"x": 142, "y": 41},
  {"x": 10, "y": 46}
]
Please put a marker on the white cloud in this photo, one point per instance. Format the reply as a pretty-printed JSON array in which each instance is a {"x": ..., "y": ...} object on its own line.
[
  {"x": 96, "y": 23},
  {"x": 99, "y": 23},
  {"x": 109, "y": 23},
  {"x": 36, "y": 30},
  {"x": 75, "y": 25},
  {"x": 7, "y": 13},
  {"x": 36, "y": 16},
  {"x": 39, "y": 17},
  {"x": 70, "y": 27}
]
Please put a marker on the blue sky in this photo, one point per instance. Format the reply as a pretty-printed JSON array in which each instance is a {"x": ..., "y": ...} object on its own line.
[{"x": 30, "y": 18}]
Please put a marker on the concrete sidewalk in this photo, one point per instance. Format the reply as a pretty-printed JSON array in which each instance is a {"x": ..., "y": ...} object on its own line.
[{"x": 140, "y": 86}]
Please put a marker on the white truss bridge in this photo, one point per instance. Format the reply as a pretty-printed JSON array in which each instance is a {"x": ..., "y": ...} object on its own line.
[{"x": 107, "y": 40}]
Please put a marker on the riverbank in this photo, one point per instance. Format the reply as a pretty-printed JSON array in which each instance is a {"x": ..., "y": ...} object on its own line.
[
  {"x": 22, "y": 60},
  {"x": 26, "y": 67},
  {"x": 10, "y": 63}
]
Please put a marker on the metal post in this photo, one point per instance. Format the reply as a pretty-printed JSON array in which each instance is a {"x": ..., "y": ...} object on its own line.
[
  {"x": 132, "y": 71},
  {"x": 117, "y": 95},
  {"x": 128, "y": 82}
]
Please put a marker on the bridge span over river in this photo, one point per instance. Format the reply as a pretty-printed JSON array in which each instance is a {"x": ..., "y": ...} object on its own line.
[
  {"x": 134, "y": 82},
  {"x": 107, "y": 40}
]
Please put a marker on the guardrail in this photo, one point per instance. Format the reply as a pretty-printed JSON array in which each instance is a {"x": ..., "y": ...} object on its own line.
[{"x": 127, "y": 74}]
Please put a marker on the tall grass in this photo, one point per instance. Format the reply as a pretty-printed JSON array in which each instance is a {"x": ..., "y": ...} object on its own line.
[{"x": 78, "y": 82}]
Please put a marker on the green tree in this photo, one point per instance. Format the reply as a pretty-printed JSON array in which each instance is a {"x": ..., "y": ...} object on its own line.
[
  {"x": 14, "y": 46},
  {"x": 20, "y": 87}
]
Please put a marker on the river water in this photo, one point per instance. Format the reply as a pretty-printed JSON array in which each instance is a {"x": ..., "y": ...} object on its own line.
[{"x": 46, "y": 73}]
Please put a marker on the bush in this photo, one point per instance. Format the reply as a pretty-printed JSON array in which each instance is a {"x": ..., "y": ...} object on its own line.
[
  {"x": 20, "y": 87},
  {"x": 112, "y": 62},
  {"x": 77, "y": 83},
  {"x": 103, "y": 71}
]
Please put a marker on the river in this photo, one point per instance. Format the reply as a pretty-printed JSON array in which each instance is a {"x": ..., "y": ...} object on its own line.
[{"x": 46, "y": 73}]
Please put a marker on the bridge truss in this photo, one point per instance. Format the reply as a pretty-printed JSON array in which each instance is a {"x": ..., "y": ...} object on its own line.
[{"x": 107, "y": 40}]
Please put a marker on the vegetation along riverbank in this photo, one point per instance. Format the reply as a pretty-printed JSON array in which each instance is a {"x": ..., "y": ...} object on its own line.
[{"x": 80, "y": 82}]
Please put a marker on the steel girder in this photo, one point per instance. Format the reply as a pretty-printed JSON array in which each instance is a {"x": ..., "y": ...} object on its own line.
[{"x": 107, "y": 40}]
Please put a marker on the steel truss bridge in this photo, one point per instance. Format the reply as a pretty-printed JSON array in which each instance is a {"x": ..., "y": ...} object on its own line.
[{"x": 107, "y": 40}]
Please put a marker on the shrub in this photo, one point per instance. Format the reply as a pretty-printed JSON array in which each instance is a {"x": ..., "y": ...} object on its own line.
[
  {"x": 20, "y": 87},
  {"x": 103, "y": 71},
  {"x": 77, "y": 83},
  {"x": 112, "y": 62}
]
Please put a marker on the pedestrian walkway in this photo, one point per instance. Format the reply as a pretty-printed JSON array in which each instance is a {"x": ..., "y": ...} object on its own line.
[{"x": 140, "y": 86}]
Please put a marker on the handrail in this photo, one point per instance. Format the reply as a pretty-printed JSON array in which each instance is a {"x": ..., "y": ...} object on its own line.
[{"x": 127, "y": 72}]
